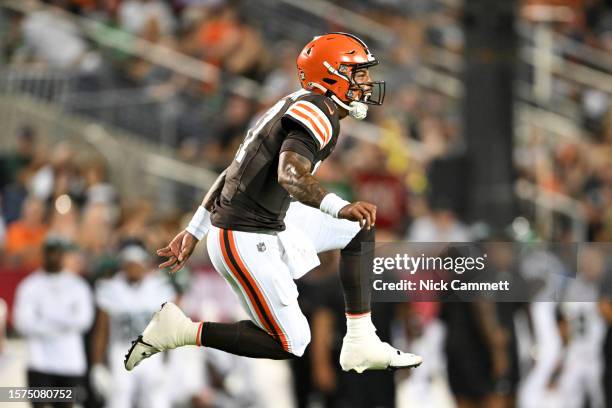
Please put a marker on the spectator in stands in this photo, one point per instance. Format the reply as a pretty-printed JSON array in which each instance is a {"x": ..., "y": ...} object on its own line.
[
  {"x": 65, "y": 221},
  {"x": 15, "y": 173},
  {"x": 10, "y": 34},
  {"x": 24, "y": 237},
  {"x": 98, "y": 217},
  {"x": 135, "y": 219},
  {"x": 12, "y": 163},
  {"x": 53, "y": 309},
  {"x": 59, "y": 176},
  {"x": 281, "y": 79},
  {"x": 441, "y": 225},
  {"x": 228, "y": 131},
  {"x": 249, "y": 56},
  {"x": 97, "y": 187},
  {"x": 167, "y": 226},
  {"x": 373, "y": 183},
  {"x": 15, "y": 194},
  {"x": 149, "y": 19},
  {"x": 216, "y": 34},
  {"x": 53, "y": 38}
]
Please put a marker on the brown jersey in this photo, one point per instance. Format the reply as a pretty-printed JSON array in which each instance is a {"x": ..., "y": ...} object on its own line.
[{"x": 252, "y": 199}]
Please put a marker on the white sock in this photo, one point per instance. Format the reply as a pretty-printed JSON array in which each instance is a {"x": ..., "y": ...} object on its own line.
[
  {"x": 186, "y": 333},
  {"x": 359, "y": 325},
  {"x": 178, "y": 329},
  {"x": 191, "y": 332}
]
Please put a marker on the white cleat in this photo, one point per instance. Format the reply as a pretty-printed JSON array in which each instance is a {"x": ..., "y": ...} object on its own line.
[
  {"x": 168, "y": 329},
  {"x": 370, "y": 353}
]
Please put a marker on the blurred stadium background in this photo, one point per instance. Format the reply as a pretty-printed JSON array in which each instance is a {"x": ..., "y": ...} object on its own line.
[{"x": 116, "y": 116}]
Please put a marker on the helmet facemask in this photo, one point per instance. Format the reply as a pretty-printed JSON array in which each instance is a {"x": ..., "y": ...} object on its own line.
[{"x": 371, "y": 93}]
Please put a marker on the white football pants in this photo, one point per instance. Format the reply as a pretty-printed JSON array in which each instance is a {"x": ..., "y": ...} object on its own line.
[{"x": 254, "y": 266}]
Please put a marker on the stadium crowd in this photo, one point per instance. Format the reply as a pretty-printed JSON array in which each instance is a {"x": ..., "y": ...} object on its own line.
[{"x": 54, "y": 202}]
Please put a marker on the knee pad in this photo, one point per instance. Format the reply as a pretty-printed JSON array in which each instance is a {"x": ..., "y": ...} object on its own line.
[
  {"x": 300, "y": 338},
  {"x": 363, "y": 236}
]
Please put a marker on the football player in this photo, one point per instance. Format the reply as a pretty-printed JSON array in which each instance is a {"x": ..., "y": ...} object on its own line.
[
  {"x": 125, "y": 304},
  {"x": 267, "y": 217}
]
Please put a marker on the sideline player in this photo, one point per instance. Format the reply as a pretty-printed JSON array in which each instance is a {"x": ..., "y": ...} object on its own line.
[
  {"x": 125, "y": 304},
  {"x": 259, "y": 240}
]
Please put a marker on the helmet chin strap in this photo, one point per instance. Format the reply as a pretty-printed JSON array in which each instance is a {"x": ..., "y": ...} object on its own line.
[{"x": 356, "y": 110}]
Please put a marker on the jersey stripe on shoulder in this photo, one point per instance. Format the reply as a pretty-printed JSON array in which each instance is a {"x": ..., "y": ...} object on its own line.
[
  {"x": 309, "y": 124},
  {"x": 317, "y": 113},
  {"x": 311, "y": 116}
]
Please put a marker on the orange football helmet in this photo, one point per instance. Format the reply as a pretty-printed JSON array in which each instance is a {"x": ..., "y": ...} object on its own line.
[{"x": 328, "y": 64}]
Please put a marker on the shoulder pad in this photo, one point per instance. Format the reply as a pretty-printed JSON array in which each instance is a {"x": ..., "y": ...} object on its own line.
[{"x": 317, "y": 115}]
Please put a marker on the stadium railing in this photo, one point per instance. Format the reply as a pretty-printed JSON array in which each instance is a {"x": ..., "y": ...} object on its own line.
[
  {"x": 162, "y": 56},
  {"x": 138, "y": 167}
]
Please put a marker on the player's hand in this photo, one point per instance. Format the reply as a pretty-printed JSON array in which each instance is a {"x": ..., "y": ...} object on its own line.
[
  {"x": 178, "y": 251},
  {"x": 360, "y": 211}
]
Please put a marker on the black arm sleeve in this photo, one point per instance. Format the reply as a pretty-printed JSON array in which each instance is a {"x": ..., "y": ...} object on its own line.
[{"x": 299, "y": 141}]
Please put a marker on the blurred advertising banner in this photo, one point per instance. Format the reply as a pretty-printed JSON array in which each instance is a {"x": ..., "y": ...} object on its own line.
[{"x": 494, "y": 271}]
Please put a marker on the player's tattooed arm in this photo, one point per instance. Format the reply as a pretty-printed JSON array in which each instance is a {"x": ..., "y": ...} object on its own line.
[
  {"x": 295, "y": 177},
  {"x": 214, "y": 191}
]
